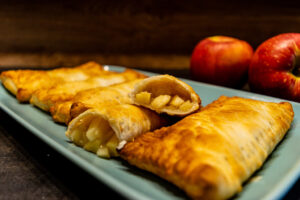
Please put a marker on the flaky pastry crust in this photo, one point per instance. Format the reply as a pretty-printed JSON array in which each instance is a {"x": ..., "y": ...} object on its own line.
[
  {"x": 23, "y": 83},
  {"x": 170, "y": 87},
  {"x": 125, "y": 121},
  {"x": 210, "y": 154},
  {"x": 91, "y": 98},
  {"x": 59, "y": 93}
]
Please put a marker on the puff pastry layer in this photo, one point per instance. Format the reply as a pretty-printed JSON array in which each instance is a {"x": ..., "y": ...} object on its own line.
[
  {"x": 210, "y": 154},
  {"x": 101, "y": 129},
  {"x": 166, "y": 94},
  {"x": 23, "y": 83},
  {"x": 91, "y": 98},
  {"x": 46, "y": 98}
]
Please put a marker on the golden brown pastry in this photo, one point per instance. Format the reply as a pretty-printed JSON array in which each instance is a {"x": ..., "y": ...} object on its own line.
[
  {"x": 46, "y": 98},
  {"x": 22, "y": 83},
  {"x": 78, "y": 73},
  {"x": 166, "y": 94},
  {"x": 210, "y": 154},
  {"x": 95, "y": 97},
  {"x": 101, "y": 129}
]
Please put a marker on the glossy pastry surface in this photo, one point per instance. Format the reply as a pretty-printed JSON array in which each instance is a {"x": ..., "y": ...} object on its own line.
[
  {"x": 23, "y": 83},
  {"x": 210, "y": 154},
  {"x": 95, "y": 97},
  {"x": 46, "y": 98}
]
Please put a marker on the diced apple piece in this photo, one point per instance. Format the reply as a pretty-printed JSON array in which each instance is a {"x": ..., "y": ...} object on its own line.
[
  {"x": 176, "y": 101},
  {"x": 112, "y": 145},
  {"x": 186, "y": 106},
  {"x": 92, "y": 146},
  {"x": 93, "y": 131},
  {"x": 79, "y": 138},
  {"x": 143, "y": 98},
  {"x": 103, "y": 152},
  {"x": 98, "y": 129},
  {"x": 160, "y": 101}
]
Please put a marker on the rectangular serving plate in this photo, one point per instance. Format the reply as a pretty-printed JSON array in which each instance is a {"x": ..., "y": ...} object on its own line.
[{"x": 272, "y": 181}]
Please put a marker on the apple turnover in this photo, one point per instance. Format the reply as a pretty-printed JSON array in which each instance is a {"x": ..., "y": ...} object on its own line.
[
  {"x": 210, "y": 154},
  {"x": 100, "y": 130},
  {"x": 46, "y": 98},
  {"x": 23, "y": 83},
  {"x": 166, "y": 94},
  {"x": 95, "y": 97}
]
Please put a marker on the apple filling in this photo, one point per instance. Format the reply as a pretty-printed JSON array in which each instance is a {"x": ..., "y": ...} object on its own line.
[
  {"x": 160, "y": 101},
  {"x": 98, "y": 137},
  {"x": 143, "y": 97},
  {"x": 163, "y": 101}
]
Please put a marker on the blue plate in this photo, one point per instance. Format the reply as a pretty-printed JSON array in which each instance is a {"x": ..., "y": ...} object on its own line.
[{"x": 272, "y": 181}]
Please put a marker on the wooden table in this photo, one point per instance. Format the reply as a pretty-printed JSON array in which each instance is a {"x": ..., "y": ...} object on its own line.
[{"x": 30, "y": 169}]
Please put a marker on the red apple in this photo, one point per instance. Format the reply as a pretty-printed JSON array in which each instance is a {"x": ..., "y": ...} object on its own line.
[
  {"x": 221, "y": 60},
  {"x": 274, "y": 69}
]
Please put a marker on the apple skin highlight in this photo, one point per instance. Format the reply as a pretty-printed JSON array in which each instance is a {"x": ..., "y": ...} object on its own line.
[
  {"x": 274, "y": 68},
  {"x": 221, "y": 60}
]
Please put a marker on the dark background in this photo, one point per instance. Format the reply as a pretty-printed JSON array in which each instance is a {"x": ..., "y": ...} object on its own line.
[{"x": 143, "y": 34}]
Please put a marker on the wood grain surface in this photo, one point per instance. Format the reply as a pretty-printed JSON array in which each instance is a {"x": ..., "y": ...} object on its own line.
[
  {"x": 140, "y": 61},
  {"x": 101, "y": 29},
  {"x": 30, "y": 169}
]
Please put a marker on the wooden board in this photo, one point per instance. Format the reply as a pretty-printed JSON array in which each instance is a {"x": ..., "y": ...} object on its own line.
[{"x": 135, "y": 28}]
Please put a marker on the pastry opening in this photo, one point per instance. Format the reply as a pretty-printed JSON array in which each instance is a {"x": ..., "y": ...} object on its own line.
[
  {"x": 95, "y": 134},
  {"x": 166, "y": 101},
  {"x": 163, "y": 93}
]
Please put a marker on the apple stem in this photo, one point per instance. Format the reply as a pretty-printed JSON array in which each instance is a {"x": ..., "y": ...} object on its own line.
[
  {"x": 296, "y": 71},
  {"x": 296, "y": 67}
]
